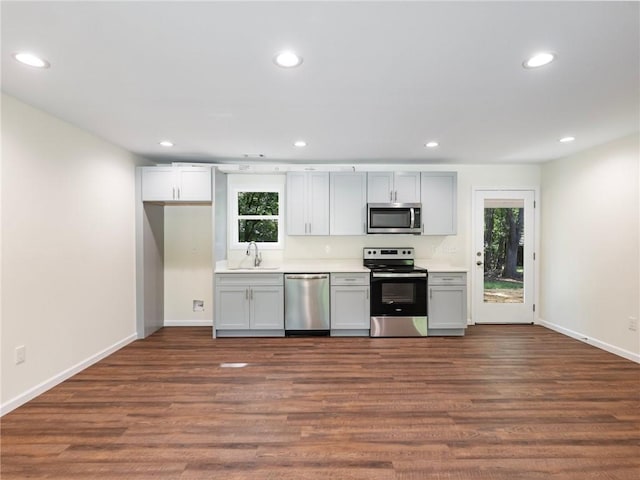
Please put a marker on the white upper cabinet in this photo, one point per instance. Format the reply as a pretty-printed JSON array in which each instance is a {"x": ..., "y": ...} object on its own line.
[
  {"x": 397, "y": 187},
  {"x": 439, "y": 203},
  {"x": 194, "y": 184},
  {"x": 348, "y": 203},
  {"x": 176, "y": 184},
  {"x": 308, "y": 203},
  {"x": 380, "y": 187}
]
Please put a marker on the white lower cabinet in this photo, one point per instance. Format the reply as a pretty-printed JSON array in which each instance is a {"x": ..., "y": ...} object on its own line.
[
  {"x": 350, "y": 311},
  {"x": 447, "y": 303},
  {"x": 249, "y": 304}
]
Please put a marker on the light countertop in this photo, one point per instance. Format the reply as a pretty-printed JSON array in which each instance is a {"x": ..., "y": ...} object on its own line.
[
  {"x": 436, "y": 267},
  {"x": 325, "y": 265}
]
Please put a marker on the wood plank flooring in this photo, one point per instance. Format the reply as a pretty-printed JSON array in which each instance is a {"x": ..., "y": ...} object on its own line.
[{"x": 504, "y": 402}]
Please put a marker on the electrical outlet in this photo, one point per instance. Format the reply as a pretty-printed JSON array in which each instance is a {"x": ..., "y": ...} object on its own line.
[
  {"x": 21, "y": 354},
  {"x": 198, "y": 305},
  {"x": 633, "y": 324}
]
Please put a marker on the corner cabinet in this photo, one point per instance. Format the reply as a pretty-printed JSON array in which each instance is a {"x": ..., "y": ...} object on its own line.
[
  {"x": 249, "y": 305},
  {"x": 308, "y": 203},
  {"x": 400, "y": 187},
  {"x": 348, "y": 203},
  {"x": 447, "y": 303},
  {"x": 350, "y": 311},
  {"x": 439, "y": 193},
  {"x": 176, "y": 184}
]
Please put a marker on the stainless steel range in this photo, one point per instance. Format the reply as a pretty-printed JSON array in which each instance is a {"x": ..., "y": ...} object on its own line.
[{"x": 398, "y": 293}]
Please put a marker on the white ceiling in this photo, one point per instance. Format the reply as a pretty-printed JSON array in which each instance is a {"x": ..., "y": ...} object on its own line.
[{"x": 378, "y": 80}]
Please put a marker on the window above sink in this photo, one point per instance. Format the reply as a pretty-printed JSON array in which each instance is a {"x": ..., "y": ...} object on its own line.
[{"x": 256, "y": 212}]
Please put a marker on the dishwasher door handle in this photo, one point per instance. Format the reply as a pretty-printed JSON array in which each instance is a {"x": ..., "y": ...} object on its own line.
[{"x": 306, "y": 277}]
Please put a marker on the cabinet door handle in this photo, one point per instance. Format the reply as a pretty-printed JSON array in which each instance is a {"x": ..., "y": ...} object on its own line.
[
  {"x": 173, "y": 194},
  {"x": 178, "y": 193},
  {"x": 367, "y": 294},
  {"x": 391, "y": 195},
  {"x": 251, "y": 293},
  {"x": 309, "y": 227},
  {"x": 430, "y": 293},
  {"x": 395, "y": 195},
  {"x": 246, "y": 294}
]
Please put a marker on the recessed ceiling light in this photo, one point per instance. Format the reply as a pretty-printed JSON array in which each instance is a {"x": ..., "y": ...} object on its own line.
[
  {"x": 166, "y": 143},
  {"x": 287, "y": 59},
  {"x": 31, "y": 60},
  {"x": 300, "y": 143},
  {"x": 431, "y": 144},
  {"x": 567, "y": 139},
  {"x": 539, "y": 59}
]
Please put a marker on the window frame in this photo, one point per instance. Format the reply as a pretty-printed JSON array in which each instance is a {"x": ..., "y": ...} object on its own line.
[{"x": 234, "y": 244}]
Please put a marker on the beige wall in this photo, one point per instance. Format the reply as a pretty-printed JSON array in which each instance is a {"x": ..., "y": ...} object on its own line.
[
  {"x": 589, "y": 259},
  {"x": 188, "y": 271},
  {"x": 67, "y": 249}
]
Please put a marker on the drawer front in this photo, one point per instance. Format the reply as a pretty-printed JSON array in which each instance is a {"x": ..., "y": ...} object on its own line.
[
  {"x": 448, "y": 278},
  {"x": 249, "y": 279},
  {"x": 349, "y": 279}
]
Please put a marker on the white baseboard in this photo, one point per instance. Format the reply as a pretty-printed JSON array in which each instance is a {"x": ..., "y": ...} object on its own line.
[
  {"x": 634, "y": 357},
  {"x": 188, "y": 323},
  {"x": 62, "y": 376}
]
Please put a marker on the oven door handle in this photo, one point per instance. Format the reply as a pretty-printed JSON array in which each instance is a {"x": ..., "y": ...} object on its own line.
[{"x": 398, "y": 275}]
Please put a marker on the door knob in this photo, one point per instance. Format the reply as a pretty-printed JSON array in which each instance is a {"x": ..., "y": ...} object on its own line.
[{"x": 478, "y": 263}]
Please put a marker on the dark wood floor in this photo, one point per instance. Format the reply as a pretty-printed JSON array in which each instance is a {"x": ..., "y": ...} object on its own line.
[{"x": 504, "y": 402}]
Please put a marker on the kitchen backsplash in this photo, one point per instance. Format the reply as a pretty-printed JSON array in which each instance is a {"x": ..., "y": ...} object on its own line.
[{"x": 447, "y": 250}]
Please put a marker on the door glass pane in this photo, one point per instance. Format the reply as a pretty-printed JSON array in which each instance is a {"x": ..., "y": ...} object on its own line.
[{"x": 504, "y": 238}]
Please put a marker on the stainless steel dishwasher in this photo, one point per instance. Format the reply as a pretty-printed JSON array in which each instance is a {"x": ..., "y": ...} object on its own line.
[{"x": 306, "y": 304}]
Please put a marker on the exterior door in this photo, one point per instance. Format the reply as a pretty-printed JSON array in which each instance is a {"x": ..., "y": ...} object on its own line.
[{"x": 503, "y": 256}]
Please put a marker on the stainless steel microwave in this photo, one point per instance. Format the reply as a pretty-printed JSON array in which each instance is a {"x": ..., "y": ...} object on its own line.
[{"x": 394, "y": 218}]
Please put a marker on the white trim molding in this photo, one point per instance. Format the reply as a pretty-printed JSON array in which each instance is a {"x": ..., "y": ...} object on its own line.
[
  {"x": 634, "y": 357},
  {"x": 62, "y": 376},
  {"x": 188, "y": 323}
]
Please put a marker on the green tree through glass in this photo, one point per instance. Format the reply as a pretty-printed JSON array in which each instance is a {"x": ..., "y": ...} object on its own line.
[{"x": 253, "y": 207}]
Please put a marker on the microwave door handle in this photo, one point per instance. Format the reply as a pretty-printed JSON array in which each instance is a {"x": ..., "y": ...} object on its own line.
[{"x": 413, "y": 217}]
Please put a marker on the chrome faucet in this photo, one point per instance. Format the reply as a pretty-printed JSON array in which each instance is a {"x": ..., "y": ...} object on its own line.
[{"x": 257, "y": 259}]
